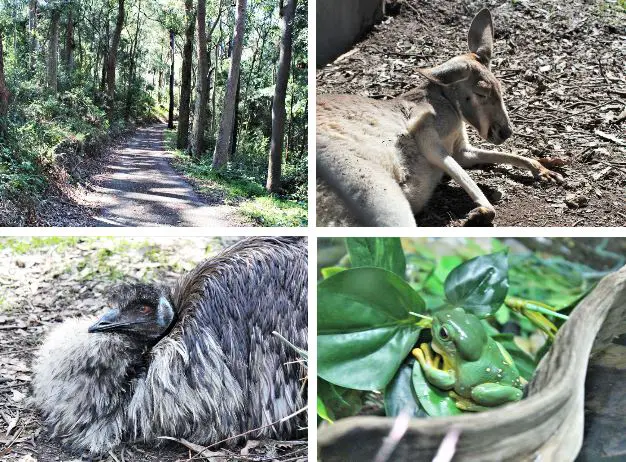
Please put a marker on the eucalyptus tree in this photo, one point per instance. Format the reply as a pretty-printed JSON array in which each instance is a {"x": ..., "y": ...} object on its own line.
[
  {"x": 279, "y": 113},
  {"x": 202, "y": 83},
  {"x": 222, "y": 145},
  {"x": 112, "y": 58},
  {"x": 182, "y": 137},
  {"x": 53, "y": 47},
  {"x": 4, "y": 91}
]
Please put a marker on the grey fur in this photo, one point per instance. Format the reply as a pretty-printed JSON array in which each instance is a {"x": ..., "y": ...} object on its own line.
[{"x": 217, "y": 373}]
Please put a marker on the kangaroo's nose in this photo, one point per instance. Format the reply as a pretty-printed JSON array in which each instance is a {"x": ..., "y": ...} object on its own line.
[{"x": 505, "y": 132}]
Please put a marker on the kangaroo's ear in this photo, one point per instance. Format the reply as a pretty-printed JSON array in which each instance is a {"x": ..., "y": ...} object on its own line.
[
  {"x": 447, "y": 73},
  {"x": 480, "y": 36}
]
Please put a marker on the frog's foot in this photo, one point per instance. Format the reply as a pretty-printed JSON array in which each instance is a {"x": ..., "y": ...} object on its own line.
[
  {"x": 430, "y": 364},
  {"x": 426, "y": 357},
  {"x": 466, "y": 404},
  {"x": 494, "y": 394}
]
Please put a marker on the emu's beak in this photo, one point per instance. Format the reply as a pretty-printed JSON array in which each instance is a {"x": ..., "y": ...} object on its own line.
[{"x": 109, "y": 321}]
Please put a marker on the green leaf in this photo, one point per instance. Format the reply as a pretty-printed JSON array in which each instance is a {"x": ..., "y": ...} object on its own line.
[
  {"x": 436, "y": 402},
  {"x": 322, "y": 411},
  {"x": 418, "y": 270},
  {"x": 365, "y": 330},
  {"x": 502, "y": 315},
  {"x": 479, "y": 285},
  {"x": 336, "y": 402},
  {"x": 331, "y": 271},
  {"x": 400, "y": 395},
  {"x": 525, "y": 363},
  {"x": 381, "y": 252}
]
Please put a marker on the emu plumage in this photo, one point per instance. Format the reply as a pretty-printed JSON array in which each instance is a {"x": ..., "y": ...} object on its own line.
[{"x": 207, "y": 368}]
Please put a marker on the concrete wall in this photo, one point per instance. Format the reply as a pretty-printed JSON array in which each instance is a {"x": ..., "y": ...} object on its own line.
[{"x": 340, "y": 23}]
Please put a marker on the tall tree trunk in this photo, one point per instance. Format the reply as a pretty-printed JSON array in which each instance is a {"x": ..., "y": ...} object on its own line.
[
  {"x": 53, "y": 48},
  {"x": 185, "y": 85},
  {"x": 216, "y": 66},
  {"x": 233, "y": 137},
  {"x": 32, "y": 30},
  {"x": 4, "y": 91},
  {"x": 199, "y": 119},
  {"x": 220, "y": 156},
  {"x": 132, "y": 66},
  {"x": 69, "y": 46},
  {"x": 170, "y": 115},
  {"x": 304, "y": 138},
  {"x": 280, "y": 92},
  {"x": 112, "y": 59}
]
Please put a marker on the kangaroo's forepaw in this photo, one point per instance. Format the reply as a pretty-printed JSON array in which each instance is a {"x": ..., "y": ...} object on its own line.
[
  {"x": 549, "y": 176},
  {"x": 480, "y": 216}
]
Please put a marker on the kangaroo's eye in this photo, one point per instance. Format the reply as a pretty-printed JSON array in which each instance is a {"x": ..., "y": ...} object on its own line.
[
  {"x": 480, "y": 95},
  {"x": 443, "y": 333}
]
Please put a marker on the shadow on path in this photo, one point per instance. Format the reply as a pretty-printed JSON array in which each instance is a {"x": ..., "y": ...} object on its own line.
[{"x": 140, "y": 188}]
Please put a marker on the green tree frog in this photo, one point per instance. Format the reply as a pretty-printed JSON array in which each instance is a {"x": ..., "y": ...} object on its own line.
[{"x": 476, "y": 369}]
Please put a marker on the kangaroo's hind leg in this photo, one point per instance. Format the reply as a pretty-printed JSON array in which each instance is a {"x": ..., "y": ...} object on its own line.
[{"x": 368, "y": 191}]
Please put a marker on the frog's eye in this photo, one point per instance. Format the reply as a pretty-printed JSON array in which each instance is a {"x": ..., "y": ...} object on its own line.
[{"x": 443, "y": 333}]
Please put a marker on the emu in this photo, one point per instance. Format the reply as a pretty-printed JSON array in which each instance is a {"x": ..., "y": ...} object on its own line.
[{"x": 198, "y": 361}]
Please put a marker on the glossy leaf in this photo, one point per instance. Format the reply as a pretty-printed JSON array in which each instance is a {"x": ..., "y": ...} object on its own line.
[
  {"x": 331, "y": 271},
  {"x": 479, "y": 285},
  {"x": 525, "y": 363},
  {"x": 322, "y": 411},
  {"x": 435, "y": 402},
  {"x": 364, "y": 327},
  {"x": 335, "y": 402},
  {"x": 380, "y": 252},
  {"x": 400, "y": 394}
]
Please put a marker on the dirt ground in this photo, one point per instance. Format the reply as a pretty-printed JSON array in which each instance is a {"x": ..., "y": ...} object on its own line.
[
  {"x": 562, "y": 68},
  {"x": 139, "y": 187},
  {"x": 47, "y": 280}
]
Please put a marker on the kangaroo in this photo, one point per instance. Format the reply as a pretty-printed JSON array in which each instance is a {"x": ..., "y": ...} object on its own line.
[{"x": 378, "y": 162}]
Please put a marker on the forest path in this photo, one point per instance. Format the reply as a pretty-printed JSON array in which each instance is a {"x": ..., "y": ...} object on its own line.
[{"x": 140, "y": 188}]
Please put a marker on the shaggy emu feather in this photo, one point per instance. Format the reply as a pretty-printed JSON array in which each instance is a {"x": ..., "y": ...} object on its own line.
[{"x": 198, "y": 362}]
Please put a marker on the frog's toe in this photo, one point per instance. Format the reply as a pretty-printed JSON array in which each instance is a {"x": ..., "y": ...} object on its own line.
[
  {"x": 428, "y": 353},
  {"x": 419, "y": 355}
]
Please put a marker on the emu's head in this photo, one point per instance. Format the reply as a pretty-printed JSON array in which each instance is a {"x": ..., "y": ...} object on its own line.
[
  {"x": 142, "y": 311},
  {"x": 470, "y": 86}
]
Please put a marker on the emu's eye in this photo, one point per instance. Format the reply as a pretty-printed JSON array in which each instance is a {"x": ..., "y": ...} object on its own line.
[
  {"x": 443, "y": 333},
  {"x": 145, "y": 309}
]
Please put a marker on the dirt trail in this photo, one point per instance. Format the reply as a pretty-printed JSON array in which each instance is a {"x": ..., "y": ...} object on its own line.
[{"x": 140, "y": 188}]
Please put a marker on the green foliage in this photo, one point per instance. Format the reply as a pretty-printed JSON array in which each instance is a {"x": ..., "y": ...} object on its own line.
[
  {"x": 364, "y": 327},
  {"x": 23, "y": 245},
  {"x": 237, "y": 187},
  {"x": 370, "y": 318},
  {"x": 383, "y": 252},
  {"x": 271, "y": 210},
  {"x": 479, "y": 285},
  {"x": 400, "y": 395},
  {"x": 335, "y": 402}
]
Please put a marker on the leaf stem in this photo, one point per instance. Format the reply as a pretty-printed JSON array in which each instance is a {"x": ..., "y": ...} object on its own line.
[
  {"x": 421, "y": 316},
  {"x": 540, "y": 309}
]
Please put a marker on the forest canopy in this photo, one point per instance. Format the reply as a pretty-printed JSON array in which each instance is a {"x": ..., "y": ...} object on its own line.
[{"x": 229, "y": 78}]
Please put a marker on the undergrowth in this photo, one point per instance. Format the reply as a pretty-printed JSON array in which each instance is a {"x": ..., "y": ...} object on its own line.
[
  {"x": 242, "y": 183},
  {"x": 47, "y": 134}
]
